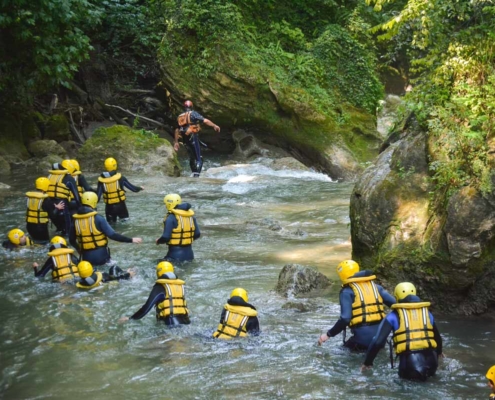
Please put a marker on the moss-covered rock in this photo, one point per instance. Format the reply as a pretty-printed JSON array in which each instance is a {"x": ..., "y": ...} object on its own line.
[
  {"x": 43, "y": 148},
  {"x": 134, "y": 150},
  {"x": 53, "y": 127},
  {"x": 17, "y": 130},
  {"x": 4, "y": 166}
]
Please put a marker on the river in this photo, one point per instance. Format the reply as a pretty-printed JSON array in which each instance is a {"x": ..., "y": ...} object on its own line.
[{"x": 57, "y": 342}]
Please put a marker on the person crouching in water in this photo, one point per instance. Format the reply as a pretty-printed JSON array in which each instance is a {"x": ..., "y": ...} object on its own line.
[
  {"x": 416, "y": 338},
  {"x": 180, "y": 229},
  {"x": 490, "y": 375},
  {"x": 62, "y": 262},
  {"x": 167, "y": 296},
  {"x": 90, "y": 232},
  {"x": 91, "y": 278},
  {"x": 239, "y": 318},
  {"x": 361, "y": 306},
  {"x": 16, "y": 238},
  {"x": 111, "y": 185}
]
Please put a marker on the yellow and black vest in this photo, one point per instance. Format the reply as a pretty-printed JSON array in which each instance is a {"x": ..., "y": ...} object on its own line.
[
  {"x": 80, "y": 189},
  {"x": 368, "y": 305},
  {"x": 57, "y": 188},
  {"x": 184, "y": 121},
  {"x": 175, "y": 302},
  {"x": 415, "y": 329},
  {"x": 235, "y": 321},
  {"x": 34, "y": 213},
  {"x": 63, "y": 267},
  {"x": 183, "y": 235},
  {"x": 88, "y": 236},
  {"x": 112, "y": 192},
  {"x": 99, "y": 278}
]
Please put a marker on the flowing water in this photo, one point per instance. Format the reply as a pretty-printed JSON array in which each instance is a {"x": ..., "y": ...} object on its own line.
[{"x": 57, "y": 342}]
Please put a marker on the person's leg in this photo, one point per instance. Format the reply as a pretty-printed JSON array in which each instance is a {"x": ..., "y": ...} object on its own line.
[
  {"x": 121, "y": 211},
  {"x": 197, "y": 153},
  {"x": 38, "y": 232},
  {"x": 110, "y": 213}
]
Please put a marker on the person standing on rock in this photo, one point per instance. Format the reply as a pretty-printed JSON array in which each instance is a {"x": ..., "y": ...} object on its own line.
[
  {"x": 180, "y": 229},
  {"x": 361, "y": 306},
  {"x": 90, "y": 233},
  {"x": 111, "y": 185},
  {"x": 189, "y": 126},
  {"x": 416, "y": 338}
]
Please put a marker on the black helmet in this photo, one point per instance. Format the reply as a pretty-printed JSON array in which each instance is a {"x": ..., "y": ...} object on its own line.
[{"x": 188, "y": 104}]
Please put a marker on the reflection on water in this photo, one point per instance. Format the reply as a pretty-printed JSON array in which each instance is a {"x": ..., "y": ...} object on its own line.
[{"x": 56, "y": 342}]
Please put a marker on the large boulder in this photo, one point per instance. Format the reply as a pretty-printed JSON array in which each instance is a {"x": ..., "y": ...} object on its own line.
[
  {"x": 445, "y": 247},
  {"x": 4, "y": 166},
  {"x": 295, "y": 279},
  {"x": 43, "y": 148},
  {"x": 17, "y": 129},
  {"x": 134, "y": 150}
]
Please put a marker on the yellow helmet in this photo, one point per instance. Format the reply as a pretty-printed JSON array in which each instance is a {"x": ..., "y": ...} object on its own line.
[
  {"x": 346, "y": 269},
  {"x": 172, "y": 200},
  {"x": 111, "y": 164},
  {"x": 491, "y": 374},
  {"x": 404, "y": 289},
  {"x": 15, "y": 236},
  {"x": 89, "y": 199},
  {"x": 67, "y": 164},
  {"x": 241, "y": 293},
  {"x": 58, "y": 239},
  {"x": 164, "y": 267},
  {"x": 76, "y": 165},
  {"x": 85, "y": 269},
  {"x": 42, "y": 183}
]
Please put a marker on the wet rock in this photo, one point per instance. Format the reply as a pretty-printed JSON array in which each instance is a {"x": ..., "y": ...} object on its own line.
[
  {"x": 288, "y": 163},
  {"x": 246, "y": 145},
  {"x": 291, "y": 305},
  {"x": 71, "y": 148},
  {"x": 43, "y": 148},
  {"x": 295, "y": 279},
  {"x": 4, "y": 186},
  {"x": 56, "y": 128},
  {"x": 266, "y": 223},
  {"x": 4, "y": 166}
]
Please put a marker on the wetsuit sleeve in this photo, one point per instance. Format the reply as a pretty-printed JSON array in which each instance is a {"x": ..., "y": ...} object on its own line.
[
  {"x": 346, "y": 300},
  {"x": 378, "y": 341},
  {"x": 125, "y": 183},
  {"x": 72, "y": 186},
  {"x": 222, "y": 316},
  {"x": 49, "y": 206},
  {"x": 253, "y": 326},
  {"x": 44, "y": 270},
  {"x": 84, "y": 184},
  {"x": 438, "y": 339},
  {"x": 197, "y": 232},
  {"x": 103, "y": 226},
  {"x": 169, "y": 224},
  {"x": 156, "y": 296},
  {"x": 74, "y": 259},
  {"x": 388, "y": 299},
  {"x": 72, "y": 237},
  {"x": 99, "y": 190}
]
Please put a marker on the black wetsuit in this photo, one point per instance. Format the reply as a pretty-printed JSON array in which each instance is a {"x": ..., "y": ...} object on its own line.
[
  {"x": 177, "y": 253},
  {"x": 417, "y": 365},
  {"x": 49, "y": 265},
  {"x": 39, "y": 232},
  {"x": 157, "y": 296},
  {"x": 114, "y": 274},
  {"x": 362, "y": 335},
  {"x": 100, "y": 255},
  {"x": 253, "y": 324},
  {"x": 112, "y": 211},
  {"x": 62, "y": 219},
  {"x": 193, "y": 144}
]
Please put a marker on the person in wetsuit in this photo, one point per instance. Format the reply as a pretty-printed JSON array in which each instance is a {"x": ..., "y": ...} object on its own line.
[
  {"x": 239, "y": 318},
  {"x": 189, "y": 126},
  {"x": 62, "y": 188},
  {"x": 89, "y": 278},
  {"x": 82, "y": 183},
  {"x": 61, "y": 261},
  {"x": 40, "y": 210},
  {"x": 180, "y": 229},
  {"x": 168, "y": 298},
  {"x": 416, "y": 338},
  {"x": 111, "y": 185},
  {"x": 90, "y": 232},
  {"x": 490, "y": 375},
  {"x": 16, "y": 238},
  {"x": 361, "y": 306}
]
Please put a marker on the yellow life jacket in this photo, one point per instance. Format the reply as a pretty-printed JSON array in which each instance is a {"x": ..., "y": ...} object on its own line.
[
  {"x": 183, "y": 235},
  {"x": 235, "y": 321},
  {"x": 63, "y": 267},
  {"x": 174, "y": 289},
  {"x": 112, "y": 191},
  {"x": 415, "y": 329},
  {"x": 367, "y": 307},
  {"x": 98, "y": 282},
  {"x": 29, "y": 241},
  {"x": 57, "y": 188},
  {"x": 88, "y": 236},
  {"x": 80, "y": 189},
  {"x": 34, "y": 213},
  {"x": 184, "y": 121}
]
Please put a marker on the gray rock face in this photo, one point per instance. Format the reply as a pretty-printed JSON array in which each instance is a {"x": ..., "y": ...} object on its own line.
[
  {"x": 43, "y": 148},
  {"x": 4, "y": 166},
  {"x": 295, "y": 279},
  {"x": 288, "y": 163},
  {"x": 246, "y": 145}
]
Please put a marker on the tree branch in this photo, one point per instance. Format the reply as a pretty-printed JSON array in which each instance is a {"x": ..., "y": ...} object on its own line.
[{"x": 152, "y": 121}]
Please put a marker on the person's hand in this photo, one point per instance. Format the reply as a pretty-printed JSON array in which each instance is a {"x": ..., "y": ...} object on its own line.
[
  {"x": 176, "y": 146},
  {"x": 142, "y": 187},
  {"x": 156, "y": 241},
  {"x": 365, "y": 367},
  {"x": 123, "y": 320},
  {"x": 60, "y": 206},
  {"x": 131, "y": 273},
  {"x": 35, "y": 265},
  {"x": 137, "y": 240},
  {"x": 217, "y": 128},
  {"x": 442, "y": 355},
  {"x": 322, "y": 339}
]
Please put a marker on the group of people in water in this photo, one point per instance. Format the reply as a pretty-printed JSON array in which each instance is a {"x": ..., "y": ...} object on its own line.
[{"x": 66, "y": 199}]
